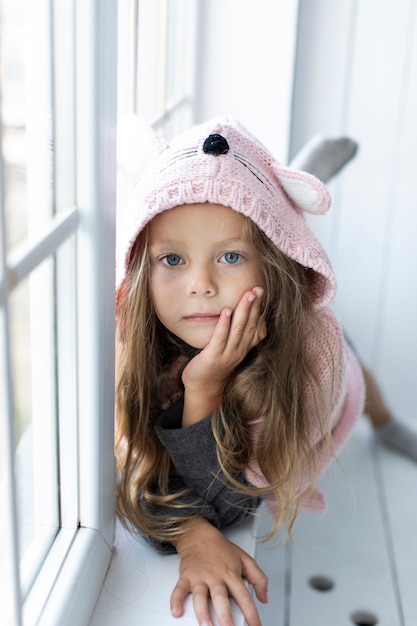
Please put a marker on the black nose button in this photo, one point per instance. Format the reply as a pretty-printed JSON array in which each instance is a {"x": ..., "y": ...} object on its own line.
[{"x": 215, "y": 144}]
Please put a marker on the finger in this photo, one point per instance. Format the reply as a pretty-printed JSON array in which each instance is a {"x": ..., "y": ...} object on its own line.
[
  {"x": 178, "y": 595},
  {"x": 221, "y": 604},
  {"x": 245, "y": 321},
  {"x": 201, "y": 605},
  {"x": 256, "y": 326},
  {"x": 261, "y": 332},
  {"x": 256, "y": 577},
  {"x": 244, "y": 600},
  {"x": 221, "y": 332}
]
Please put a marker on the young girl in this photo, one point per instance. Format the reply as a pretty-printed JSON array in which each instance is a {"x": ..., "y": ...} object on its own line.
[{"x": 234, "y": 381}]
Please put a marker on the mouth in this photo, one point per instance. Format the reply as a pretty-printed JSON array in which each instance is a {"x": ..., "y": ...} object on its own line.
[{"x": 202, "y": 318}]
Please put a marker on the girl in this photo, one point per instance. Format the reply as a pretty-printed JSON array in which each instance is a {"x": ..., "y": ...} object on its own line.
[{"x": 234, "y": 383}]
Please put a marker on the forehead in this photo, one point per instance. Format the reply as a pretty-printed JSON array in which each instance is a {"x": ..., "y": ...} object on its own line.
[{"x": 188, "y": 220}]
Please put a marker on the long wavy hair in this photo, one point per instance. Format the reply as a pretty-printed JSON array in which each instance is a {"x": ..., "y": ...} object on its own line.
[{"x": 278, "y": 381}]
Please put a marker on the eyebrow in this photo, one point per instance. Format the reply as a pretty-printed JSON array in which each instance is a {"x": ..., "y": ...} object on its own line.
[{"x": 223, "y": 242}]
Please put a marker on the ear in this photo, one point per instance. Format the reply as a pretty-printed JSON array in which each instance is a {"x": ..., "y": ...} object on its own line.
[
  {"x": 305, "y": 190},
  {"x": 137, "y": 145}
]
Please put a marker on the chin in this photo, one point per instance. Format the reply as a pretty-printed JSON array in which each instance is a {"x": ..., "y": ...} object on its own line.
[
  {"x": 198, "y": 345},
  {"x": 198, "y": 342}
]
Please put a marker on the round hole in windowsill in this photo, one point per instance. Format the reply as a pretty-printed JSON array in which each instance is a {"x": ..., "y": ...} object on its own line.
[
  {"x": 321, "y": 583},
  {"x": 364, "y": 618}
]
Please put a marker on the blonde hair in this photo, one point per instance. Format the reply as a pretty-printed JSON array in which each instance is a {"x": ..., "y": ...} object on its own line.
[{"x": 272, "y": 382}]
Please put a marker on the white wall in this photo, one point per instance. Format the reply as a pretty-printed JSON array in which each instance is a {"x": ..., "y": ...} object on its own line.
[
  {"x": 245, "y": 68},
  {"x": 356, "y": 74}
]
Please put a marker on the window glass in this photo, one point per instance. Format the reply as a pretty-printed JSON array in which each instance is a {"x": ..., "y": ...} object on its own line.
[
  {"x": 7, "y": 543},
  {"x": 157, "y": 62},
  {"x": 32, "y": 326},
  {"x": 63, "y": 101},
  {"x": 37, "y": 312},
  {"x": 13, "y": 104},
  {"x": 25, "y": 58}
]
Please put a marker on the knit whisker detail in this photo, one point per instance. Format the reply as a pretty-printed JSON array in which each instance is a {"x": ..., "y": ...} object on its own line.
[
  {"x": 255, "y": 171},
  {"x": 179, "y": 156},
  {"x": 246, "y": 164},
  {"x": 219, "y": 162}
]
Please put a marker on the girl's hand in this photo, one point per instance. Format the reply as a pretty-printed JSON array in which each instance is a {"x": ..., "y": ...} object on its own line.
[
  {"x": 213, "y": 567},
  {"x": 206, "y": 374}
]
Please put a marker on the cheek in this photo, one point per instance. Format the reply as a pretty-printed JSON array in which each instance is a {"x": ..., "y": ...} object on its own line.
[
  {"x": 259, "y": 274},
  {"x": 157, "y": 292},
  {"x": 251, "y": 279},
  {"x": 164, "y": 293},
  {"x": 160, "y": 297}
]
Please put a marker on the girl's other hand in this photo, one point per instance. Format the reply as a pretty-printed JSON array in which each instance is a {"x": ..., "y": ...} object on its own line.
[{"x": 214, "y": 568}]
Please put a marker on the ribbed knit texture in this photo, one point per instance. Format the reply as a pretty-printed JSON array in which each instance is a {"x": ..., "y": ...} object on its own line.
[{"x": 247, "y": 179}]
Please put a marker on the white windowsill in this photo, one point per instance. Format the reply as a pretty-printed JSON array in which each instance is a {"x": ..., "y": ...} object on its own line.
[
  {"x": 139, "y": 583},
  {"x": 73, "y": 595},
  {"x": 365, "y": 545}
]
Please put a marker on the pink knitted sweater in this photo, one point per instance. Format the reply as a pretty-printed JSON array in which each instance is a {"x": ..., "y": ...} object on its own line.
[
  {"x": 350, "y": 394},
  {"x": 220, "y": 162}
]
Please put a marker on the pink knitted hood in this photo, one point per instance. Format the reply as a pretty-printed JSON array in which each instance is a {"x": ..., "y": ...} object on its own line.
[{"x": 220, "y": 162}]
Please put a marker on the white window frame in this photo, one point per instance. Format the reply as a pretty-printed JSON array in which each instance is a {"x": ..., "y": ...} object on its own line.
[
  {"x": 170, "y": 110},
  {"x": 148, "y": 31},
  {"x": 70, "y": 578}
]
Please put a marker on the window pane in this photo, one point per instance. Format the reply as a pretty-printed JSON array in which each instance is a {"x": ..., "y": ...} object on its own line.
[
  {"x": 156, "y": 70},
  {"x": 181, "y": 17},
  {"x": 32, "y": 329},
  {"x": 13, "y": 104},
  {"x": 64, "y": 103},
  {"x": 151, "y": 58},
  {"x": 26, "y": 117},
  {"x": 38, "y": 144},
  {"x": 8, "y": 579},
  {"x": 67, "y": 393}
]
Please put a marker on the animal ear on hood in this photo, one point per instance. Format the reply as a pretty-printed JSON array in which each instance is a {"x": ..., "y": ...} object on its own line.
[
  {"x": 137, "y": 145},
  {"x": 306, "y": 191}
]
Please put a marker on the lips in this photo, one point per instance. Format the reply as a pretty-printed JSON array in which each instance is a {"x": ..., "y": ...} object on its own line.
[{"x": 202, "y": 318}]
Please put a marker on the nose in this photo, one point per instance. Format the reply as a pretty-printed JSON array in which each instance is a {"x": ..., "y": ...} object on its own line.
[{"x": 202, "y": 282}]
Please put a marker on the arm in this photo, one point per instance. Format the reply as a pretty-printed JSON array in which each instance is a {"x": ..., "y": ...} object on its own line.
[
  {"x": 212, "y": 566},
  {"x": 192, "y": 450},
  {"x": 193, "y": 454}
]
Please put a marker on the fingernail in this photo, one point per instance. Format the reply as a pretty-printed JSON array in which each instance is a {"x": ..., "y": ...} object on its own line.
[
  {"x": 251, "y": 298},
  {"x": 259, "y": 291}
]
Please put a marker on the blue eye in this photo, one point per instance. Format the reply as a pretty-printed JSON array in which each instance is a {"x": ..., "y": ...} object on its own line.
[
  {"x": 172, "y": 260},
  {"x": 231, "y": 257}
]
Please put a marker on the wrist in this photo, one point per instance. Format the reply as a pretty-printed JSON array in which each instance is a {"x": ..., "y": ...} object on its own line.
[
  {"x": 197, "y": 529},
  {"x": 198, "y": 405}
]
